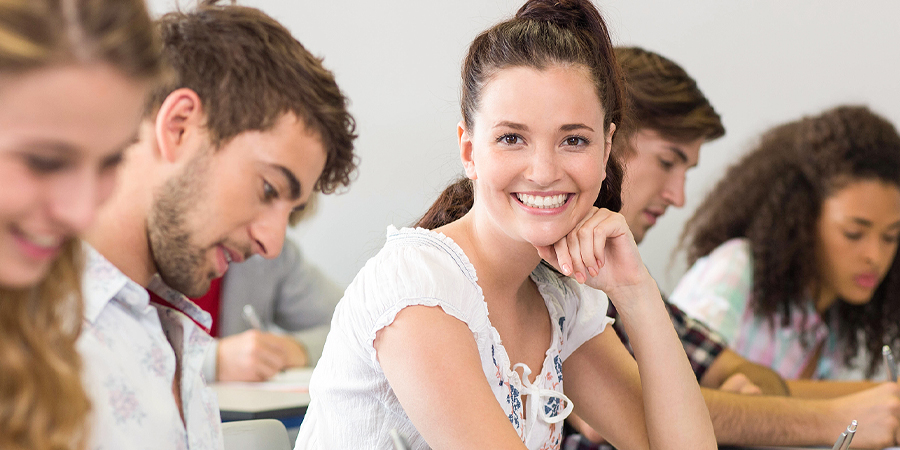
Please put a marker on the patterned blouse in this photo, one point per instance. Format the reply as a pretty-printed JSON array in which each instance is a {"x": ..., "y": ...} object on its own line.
[
  {"x": 353, "y": 405},
  {"x": 130, "y": 347},
  {"x": 718, "y": 291}
]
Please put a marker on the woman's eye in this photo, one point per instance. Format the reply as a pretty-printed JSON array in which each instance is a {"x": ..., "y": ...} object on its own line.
[
  {"x": 576, "y": 141},
  {"x": 853, "y": 236},
  {"x": 890, "y": 238},
  {"x": 510, "y": 139},
  {"x": 269, "y": 192}
]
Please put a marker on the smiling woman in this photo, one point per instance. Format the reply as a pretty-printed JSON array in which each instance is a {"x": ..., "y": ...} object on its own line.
[
  {"x": 795, "y": 250},
  {"x": 73, "y": 75},
  {"x": 458, "y": 335}
]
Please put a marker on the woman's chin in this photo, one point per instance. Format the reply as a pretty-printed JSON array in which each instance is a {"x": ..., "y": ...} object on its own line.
[{"x": 544, "y": 239}]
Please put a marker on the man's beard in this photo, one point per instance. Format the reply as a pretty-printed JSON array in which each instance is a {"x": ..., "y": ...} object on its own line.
[{"x": 179, "y": 261}]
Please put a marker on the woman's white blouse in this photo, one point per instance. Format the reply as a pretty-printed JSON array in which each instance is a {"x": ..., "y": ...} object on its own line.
[{"x": 353, "y": 406}]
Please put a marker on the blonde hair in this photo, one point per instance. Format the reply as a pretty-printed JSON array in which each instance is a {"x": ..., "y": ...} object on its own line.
[{"x": 43, "y": 405}]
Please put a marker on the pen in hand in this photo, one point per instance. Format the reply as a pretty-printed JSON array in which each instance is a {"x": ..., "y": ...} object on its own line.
[
  {"x": 889, "y": 362},
  {"x": 252, "y": 318},
  {"x": 843, "y": 442}
]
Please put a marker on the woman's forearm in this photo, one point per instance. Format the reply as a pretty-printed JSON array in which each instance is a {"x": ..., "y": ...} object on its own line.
[{"x": 676, "y": 415}]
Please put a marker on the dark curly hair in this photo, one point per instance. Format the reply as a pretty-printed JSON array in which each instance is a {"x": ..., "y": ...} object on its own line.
[
  {"x": 773, "y": 197},
  {"x": 543, "y": 33}
]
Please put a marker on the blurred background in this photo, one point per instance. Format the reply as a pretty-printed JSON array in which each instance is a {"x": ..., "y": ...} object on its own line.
[{"x": 760, "y": 63}]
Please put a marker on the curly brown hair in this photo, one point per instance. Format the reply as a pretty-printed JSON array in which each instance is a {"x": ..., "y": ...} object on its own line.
[
  {"x": 248, "y": 70},
  {"x": 773, "y": 197}
]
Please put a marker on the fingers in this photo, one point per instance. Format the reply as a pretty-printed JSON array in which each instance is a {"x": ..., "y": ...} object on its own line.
[
  {"x": 548, "y": 254},
  {"x": 250, "y": 356},
  {"x": 293, "y": 352},
  {"x": 266, "y": 368},
  {"x": 739, "y": 383},
  {"x": 584, "y": 249},
  {"x": 571, "y": 247}
]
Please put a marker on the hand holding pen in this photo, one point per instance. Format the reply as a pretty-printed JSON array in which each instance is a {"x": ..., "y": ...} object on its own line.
[
  {"x": 256, "y": 354},
  {"x": 843, "y": 442}
]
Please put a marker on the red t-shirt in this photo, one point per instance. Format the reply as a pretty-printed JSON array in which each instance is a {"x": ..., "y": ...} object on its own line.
[{"x": 210, "y": 302}]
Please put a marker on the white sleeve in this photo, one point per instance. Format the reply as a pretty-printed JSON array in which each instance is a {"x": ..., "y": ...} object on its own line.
[{"x": 586, "y": 318}]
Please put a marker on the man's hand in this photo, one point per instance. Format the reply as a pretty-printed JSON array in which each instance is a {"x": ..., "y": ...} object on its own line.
[
  {"x": 877, "y": 410},
  {"x": 257, "y": 356},
  {"x": 740, "y": 384}
]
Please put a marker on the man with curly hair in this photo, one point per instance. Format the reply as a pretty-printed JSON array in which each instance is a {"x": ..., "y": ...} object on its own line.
[{"x": 249, "y": 126}]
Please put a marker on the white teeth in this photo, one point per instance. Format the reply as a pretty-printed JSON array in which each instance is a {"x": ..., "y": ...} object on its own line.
[
  {"x": 46, "y": 241},
  {"x": 227, "y": 256},
  {"x": 542, "y": 201}
]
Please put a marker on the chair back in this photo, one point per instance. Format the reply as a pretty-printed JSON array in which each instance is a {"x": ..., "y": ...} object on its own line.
[{"x": 261, "y": 434}]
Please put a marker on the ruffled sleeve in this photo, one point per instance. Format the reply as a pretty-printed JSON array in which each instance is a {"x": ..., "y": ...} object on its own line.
[{"x": 419, "y": 267}]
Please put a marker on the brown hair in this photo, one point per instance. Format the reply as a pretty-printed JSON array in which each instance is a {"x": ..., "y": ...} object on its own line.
[
  {"x": 248, "y": 71},
  {"x": 664, "y": 98},
  {"x": 43, "y": 405},
  {"x": 773, "y": 198},
  {"x": 543, "y": 33}
]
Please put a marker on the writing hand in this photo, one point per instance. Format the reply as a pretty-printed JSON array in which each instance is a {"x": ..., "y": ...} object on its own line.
[{"x": 257, "y": 356}]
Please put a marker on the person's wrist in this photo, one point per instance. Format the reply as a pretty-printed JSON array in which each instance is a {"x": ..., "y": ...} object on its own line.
[
  {"x": 834, "y": 418},
  {"x": 633, "y": 299}
]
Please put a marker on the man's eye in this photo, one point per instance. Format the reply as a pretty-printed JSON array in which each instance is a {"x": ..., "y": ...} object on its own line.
[
  {"x": 667, "y": 165},
  {"x": 43, "y": 165},
  {"x": 269, "y": 192},
  {"x": 113, "y": 162}
]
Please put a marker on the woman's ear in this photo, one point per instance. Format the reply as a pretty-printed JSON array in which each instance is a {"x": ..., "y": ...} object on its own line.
[
  {"x": 465, "y": 151},
  {"x": 178, "y": 124},
  {"x": 608, "y": 148}
]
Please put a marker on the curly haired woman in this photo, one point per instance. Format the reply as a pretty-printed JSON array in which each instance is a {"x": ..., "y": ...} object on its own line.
[{"x": 794, "y": 251}]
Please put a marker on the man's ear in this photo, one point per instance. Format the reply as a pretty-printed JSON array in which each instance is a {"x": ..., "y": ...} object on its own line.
[
  {"x": 178, "y": 124},
  {"x": 465, "y": 151}
]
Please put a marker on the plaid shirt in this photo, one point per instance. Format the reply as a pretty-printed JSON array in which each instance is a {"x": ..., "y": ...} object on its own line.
[{"x": 701, "y": 344}]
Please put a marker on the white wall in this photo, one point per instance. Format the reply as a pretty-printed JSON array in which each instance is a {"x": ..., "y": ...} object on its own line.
[{"x": 760, "y": 62}]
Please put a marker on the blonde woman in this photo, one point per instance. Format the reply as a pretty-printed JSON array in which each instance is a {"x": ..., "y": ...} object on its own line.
[{"x": 73, "y": 76}]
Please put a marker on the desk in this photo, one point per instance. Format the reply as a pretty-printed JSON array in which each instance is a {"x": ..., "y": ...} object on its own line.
[
  {"x": 285, "y": 396},
  {"x": 729, "y": 447}
]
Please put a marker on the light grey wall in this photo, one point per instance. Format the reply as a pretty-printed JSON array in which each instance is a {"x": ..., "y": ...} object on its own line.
[{"x": 760, "y": 62}]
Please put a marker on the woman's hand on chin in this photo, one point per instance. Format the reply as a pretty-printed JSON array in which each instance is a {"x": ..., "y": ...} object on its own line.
[{"x": 600, "y": 252}]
